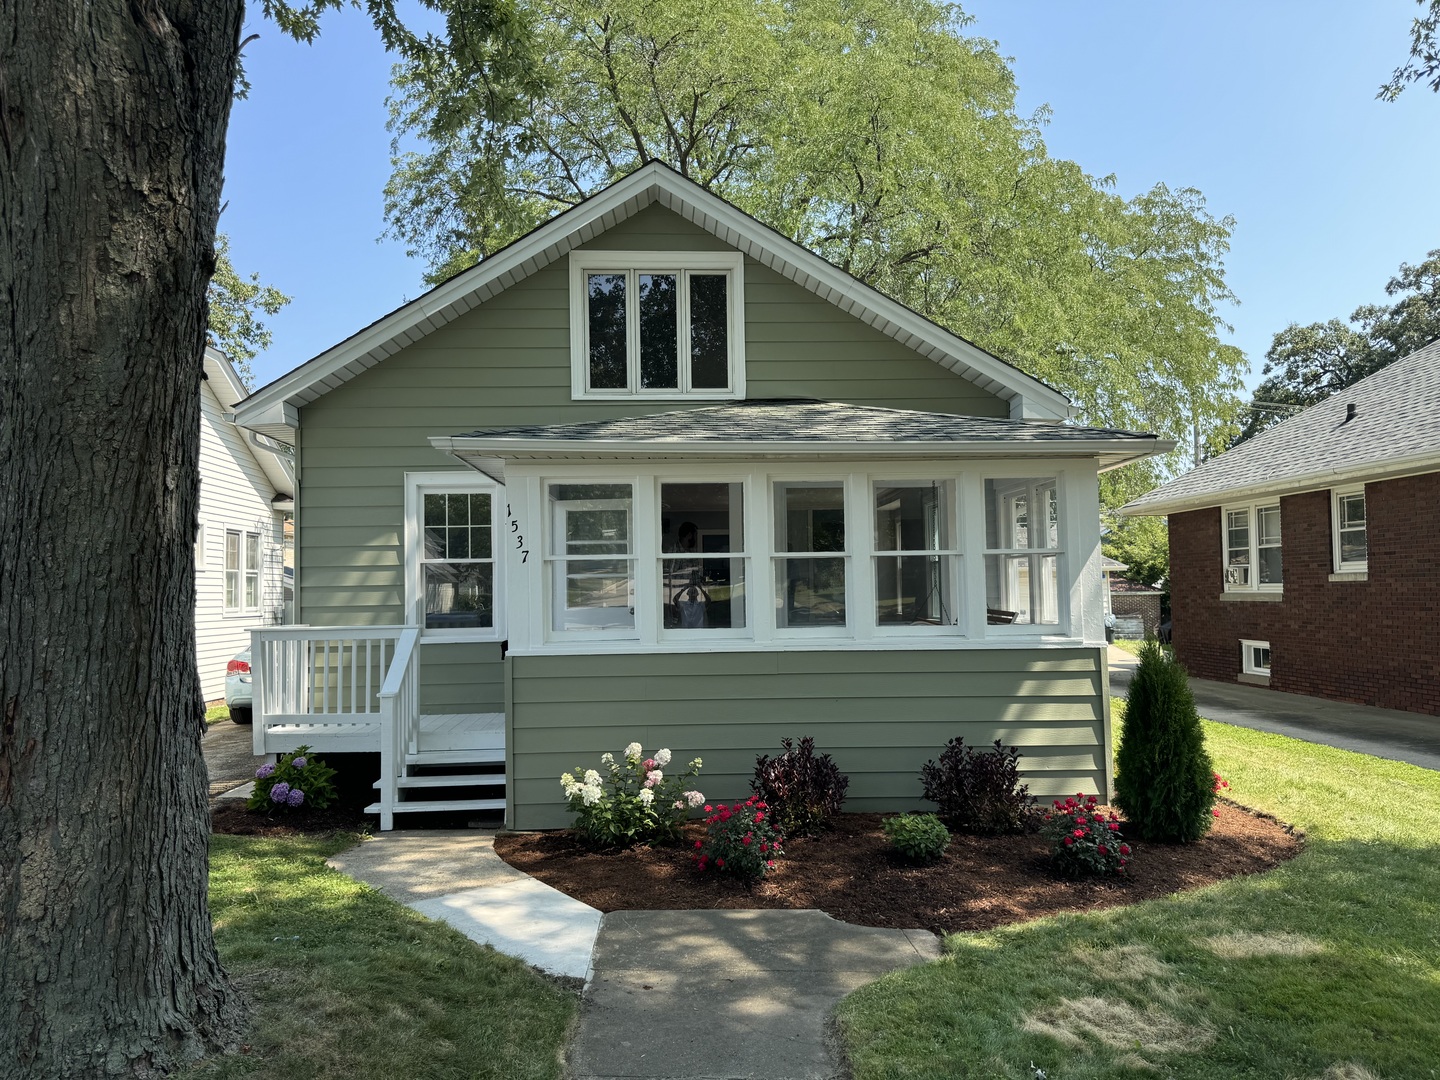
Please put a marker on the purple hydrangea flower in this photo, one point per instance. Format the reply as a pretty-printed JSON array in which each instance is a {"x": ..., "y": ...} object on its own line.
[
  {"x": 268, "y": 769},
  {"x": 280, "y": 792},
  {"x": 296, "y": 797},
  {"x": 299, "y": 763}
]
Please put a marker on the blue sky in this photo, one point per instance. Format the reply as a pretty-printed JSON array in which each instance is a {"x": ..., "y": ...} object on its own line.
[{"x": 1267, "y": 107}]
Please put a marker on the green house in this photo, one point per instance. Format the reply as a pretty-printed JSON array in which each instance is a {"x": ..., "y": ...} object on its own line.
[{"x": 656, "y": 473}]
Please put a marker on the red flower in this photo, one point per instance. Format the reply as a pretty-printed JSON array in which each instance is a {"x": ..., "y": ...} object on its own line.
[
  {"x": 649, "y": 763},
  {"x": 709, "y": 809},
  {"x": 1102, "y": 849},
  {"x": 764, "y": 847},
  {"x": 1069, "y": 840},
  {"x": 1124, "y": 849},
  {"x": 1216, "y": 813},
  {"x": 759, "y": 817},
  {"x": 698, "y": 844},
  {"x": 771, "y": 864},
  {"x": 1078, "y": 832},
  {"x": 1114, "y": 827},
  {"x": 761, "y": 806},
  {"x": 748, "y": 838},
  {"x": 720, "y": 863}
]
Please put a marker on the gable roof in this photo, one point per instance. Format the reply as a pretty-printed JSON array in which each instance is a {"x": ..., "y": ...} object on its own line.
[
  {"x": 224, "y": 382},
  {"x": 274, "y": 408},
  {"x": 797, "y": 427},
  {"x": 1395, "y": 432}
]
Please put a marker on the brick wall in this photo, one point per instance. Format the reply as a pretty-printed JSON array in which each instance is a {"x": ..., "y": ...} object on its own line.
[
  {"x": 1376, "y": 642},
  {"x": 1145, "y": 605}
]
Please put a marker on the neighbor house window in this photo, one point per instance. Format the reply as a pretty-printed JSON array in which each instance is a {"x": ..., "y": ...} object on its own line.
[
  {"x": 453, "y": 529},
  {"x": 916, "y": 558},
  {"x": 591, "y": 557},
  {"x": 702, "y": 556},
  {"x": 1252, "y": 547},
  {"x": 1255, "y": 657},
  {"x": 810, "y": 563},
  {"x": 663, "y": 325},
  {"x": 1351, "y": 540},
  {"x": 1022, "y": 551},
  {"x": 242, "y": 571}
]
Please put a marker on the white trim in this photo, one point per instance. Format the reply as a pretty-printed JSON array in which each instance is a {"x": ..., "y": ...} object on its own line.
[
  {"x": 1358, "y": 566},
  {"x": 1248, "y": 664},
  {"x": 1253, "y": 584},
  {"x": 650, "y": 184},
  {"x": 244, "y": 572},
  {"x": 417, "y": 485},
  {"x": 631, "y": 264}
]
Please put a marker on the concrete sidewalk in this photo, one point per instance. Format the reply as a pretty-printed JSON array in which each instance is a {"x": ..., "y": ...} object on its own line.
[
  {"x": 687, "y": 995},
  {"x": 1384, "y": 733}
]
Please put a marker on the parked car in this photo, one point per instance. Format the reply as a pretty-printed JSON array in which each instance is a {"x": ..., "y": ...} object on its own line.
[{"x": 237, "y": 689}]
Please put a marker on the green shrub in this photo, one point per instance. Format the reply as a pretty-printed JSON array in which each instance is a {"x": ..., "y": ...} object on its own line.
[
  {"x": 804, "y": 791},
  {"x": 979, "y": 791},
  {"x": 637, "y": 803},
  {"x": 1164, "y": 782},
  {"x": 920, "y": 838},
  {"x": 296, "y": 781},
  {"x": 1084, "y": 842},
  {"x": 740, "y": 840}
]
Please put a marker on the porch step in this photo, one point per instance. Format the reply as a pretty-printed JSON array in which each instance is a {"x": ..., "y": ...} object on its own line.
[
  {"x": 440, "y": 805},
  {"x": 448, "y": 780},
  {"x": 457, "y": 757}
]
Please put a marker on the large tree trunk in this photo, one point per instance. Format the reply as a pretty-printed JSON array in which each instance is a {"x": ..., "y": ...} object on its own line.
[{"x": 112, "y": 124}]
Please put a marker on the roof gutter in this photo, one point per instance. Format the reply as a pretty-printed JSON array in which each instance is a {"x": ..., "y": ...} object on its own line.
[{"x": 1320, "y": 478}]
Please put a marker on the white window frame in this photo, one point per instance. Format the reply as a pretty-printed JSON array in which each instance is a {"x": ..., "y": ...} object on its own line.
[
  {"x": 954, "y": 598},
  {"x": 243, "y": 572},
  {"x": 1080, "y": 601},
  {"x": 706, "y": 637},
  {"x": 464, "y": 482},
  {"x": 632, "y": 264},
  {"x": 1248, "y": 663},
  {"x": 774, "y": 556},
  {"x": 1046, "y": 476},
  {"x": 1337, "y": 495},
  {"x": 544, "y": 546},
  {"x": 1252, "y": 509}
]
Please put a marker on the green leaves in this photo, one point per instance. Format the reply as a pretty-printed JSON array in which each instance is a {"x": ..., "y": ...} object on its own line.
[{"x": 236, "y": 304}]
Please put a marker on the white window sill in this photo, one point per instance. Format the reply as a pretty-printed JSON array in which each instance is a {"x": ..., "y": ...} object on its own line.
[
  {"x": 1351, "y": 575},
  {"x": 1272, "y": 597},
  {"x": 811, "y": 645},
  {"x": 454, "y": 637},
  {"x": 652, "y": 395},
  {"x": 235, "y": 613},
  {"x": 1251, "y": 679}
]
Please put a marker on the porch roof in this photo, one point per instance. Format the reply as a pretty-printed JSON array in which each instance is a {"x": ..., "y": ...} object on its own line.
[{"x": 799, "y": 428}]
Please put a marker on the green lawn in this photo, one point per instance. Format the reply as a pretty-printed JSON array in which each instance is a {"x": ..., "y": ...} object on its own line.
[
  {"x": 346, "y": 983},
  {"x": 215, "y": 713},
  {"x": 1132, "y": 646},
  {"x": 1326, "y": 967}
]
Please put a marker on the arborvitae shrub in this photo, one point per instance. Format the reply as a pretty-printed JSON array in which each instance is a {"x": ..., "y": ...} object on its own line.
[
  {"x": 979, "y": 791},
  {"x": 1164, "y": 781},
  {"x": 803, "y": 791}
]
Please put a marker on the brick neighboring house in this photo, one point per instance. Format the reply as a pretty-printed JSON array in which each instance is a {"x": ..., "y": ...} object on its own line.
[
  {"x": 1131, "y": 599},
  {"x": 1307, "y": 559}
]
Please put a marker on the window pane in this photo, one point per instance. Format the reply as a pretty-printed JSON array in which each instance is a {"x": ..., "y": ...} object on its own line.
[
  {"x": 480, "y": 542},
  {"x": 457, "y": 509},
  {"x": 459, "y": 595},
  {"x": 594, "y": 594},
  {"x": 1353, "y": 546},
  {"x": 232, "y": 588},
  {"x": 912, "y": 517},
  {"x": 606, "y": 312},
  {"x": 703, "y": 518},
  {"x": 809, "y": 517},
  {"x": 252, "y": 551},
  {"x": 1267, "y": 525},
  {"x": 1022, "y": 589},
  {"x": 1269, "y": 560},
  {"x": 709, "y": 332},
  {"x": 810, "y": 592},
  {"x": 232, "y": 551},
  {"x": 911, "y": 589},
  {"x": 457, "y": 543},
  {"x": 659, "y": 331},
  {"x": 703, "y": 594},
  {"x": 1237, "y": 532},
  {"x": 590, "y": 519},
  {"x": 1009, "y": 518},
  {"x": 1352, "y": 511},
  {"x": 434, "y": 510},
  {"x": 434, "y": 543}
]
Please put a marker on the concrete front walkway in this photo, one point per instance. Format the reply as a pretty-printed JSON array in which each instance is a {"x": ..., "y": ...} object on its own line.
[
  {"x": 1384, "y": 733},
  {"x": 727, "y": 994}
]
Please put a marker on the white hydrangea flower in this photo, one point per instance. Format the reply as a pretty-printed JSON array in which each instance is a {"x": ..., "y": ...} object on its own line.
[
  {"x": 592, "y": 778},
  {"x": 590, "y": 795},
  {"x": 568, "y": 783},
  {"x": 662, "y": 758},
  {"x": 694, "y": 798},
  {"x": 654, "y": 776},
  {"x": 633, "y": 751},
  {"x": 646, "y": 796},
  {"x": 607, "y": 758},
  {"x": 696, "y": 763}
]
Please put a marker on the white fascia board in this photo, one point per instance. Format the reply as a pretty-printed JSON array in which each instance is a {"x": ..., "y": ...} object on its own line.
[
  {"x": 656, "y": 183},
  {"x": 1317, "y": 480}
]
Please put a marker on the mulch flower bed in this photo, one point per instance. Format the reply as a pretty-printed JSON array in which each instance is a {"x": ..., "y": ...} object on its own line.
[
  {"x": 848, "y": 872},
  {"x": 233, "y": 819}
]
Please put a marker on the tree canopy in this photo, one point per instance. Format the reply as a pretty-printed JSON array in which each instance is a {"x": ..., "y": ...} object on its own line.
[
  {"x": 236, "y": 304},
  {"x": 1424, "y": 60},
  {"x": 1306, "y": 364},
  {"x": 873, "y": 132}
]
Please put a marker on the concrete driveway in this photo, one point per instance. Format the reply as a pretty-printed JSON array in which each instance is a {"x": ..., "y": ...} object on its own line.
[
  {"x": 1384, "y": 733},
  {"x": 228, "y": 756}
]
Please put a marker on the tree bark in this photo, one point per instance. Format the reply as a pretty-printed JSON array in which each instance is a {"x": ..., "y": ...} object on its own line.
[{"x": 112, "y": 125}]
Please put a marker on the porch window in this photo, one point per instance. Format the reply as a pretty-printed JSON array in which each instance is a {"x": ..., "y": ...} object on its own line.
[
  {"x": 457, "y": 563},
  {"x": 1252, "y": 548},
  {"x": 810, "y": 555},
  {"x": 591, "y": 557},
  {"x": 242, "y": 571},
  {"x": 656, "y": 324},
  {"x": 1350, "y": 535},
  {"x": 702, "y": 560},
  {"x": 1022, "y": 551},
  {"x": 916, "y": 559}
]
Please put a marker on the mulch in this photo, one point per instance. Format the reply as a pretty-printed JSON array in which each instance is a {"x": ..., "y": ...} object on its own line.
[
  {"x": 233, "y": 819},
  {"x": 849, "y": 873}
]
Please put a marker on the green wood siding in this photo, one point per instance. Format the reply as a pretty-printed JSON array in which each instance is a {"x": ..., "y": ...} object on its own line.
[
  {"x": 881, "y": 714},
  {"x": 508, "y": 362}
]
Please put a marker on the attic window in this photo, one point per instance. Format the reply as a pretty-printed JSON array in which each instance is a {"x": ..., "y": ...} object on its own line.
[{"x": 662, "y": 325}]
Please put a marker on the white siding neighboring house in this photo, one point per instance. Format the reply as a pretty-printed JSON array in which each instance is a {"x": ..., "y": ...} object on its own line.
[{"x": 245, "y": 492}]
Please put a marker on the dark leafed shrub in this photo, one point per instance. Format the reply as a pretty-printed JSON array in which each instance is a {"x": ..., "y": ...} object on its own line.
[
  {"x": 920, "y": 838},
  {"x": 1164, "y": 782},
  {"x": 979, "y": 791},
  {"x": 804, "y": 791}
]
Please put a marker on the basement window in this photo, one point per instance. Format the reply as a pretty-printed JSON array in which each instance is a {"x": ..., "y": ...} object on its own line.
[{"x": 1255, "y": 657}]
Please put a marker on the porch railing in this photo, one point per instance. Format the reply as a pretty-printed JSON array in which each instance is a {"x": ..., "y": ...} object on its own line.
[{"x": 399, "y": 720}]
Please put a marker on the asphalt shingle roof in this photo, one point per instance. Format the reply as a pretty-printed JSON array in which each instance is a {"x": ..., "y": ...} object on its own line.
[
  {"x": 1397, "y": 416},
  {"x": 804, "y": 420}
]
